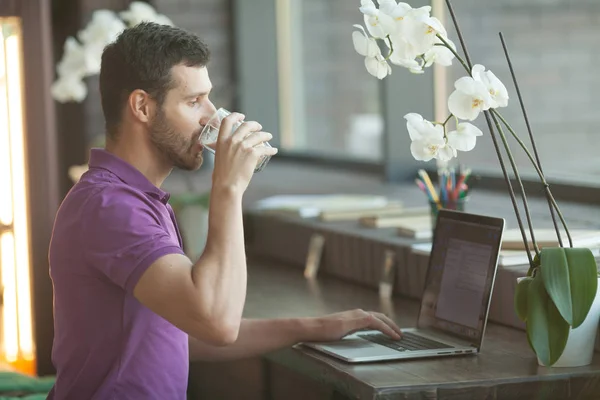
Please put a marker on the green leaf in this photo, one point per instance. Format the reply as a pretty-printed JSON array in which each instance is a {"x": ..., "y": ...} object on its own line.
[
  {"x": 555, "y": 273},
  {"x": 547, "y": 330},
  {"x": 521, "y": 293},
  {"x": 583, "y": 275},
  {"x": 571, "y": 280}
]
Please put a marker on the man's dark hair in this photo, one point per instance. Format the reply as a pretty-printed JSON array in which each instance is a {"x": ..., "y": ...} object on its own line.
[{"x": 142, "y": 58}]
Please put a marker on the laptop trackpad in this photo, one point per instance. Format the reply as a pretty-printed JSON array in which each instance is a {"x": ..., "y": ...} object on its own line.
[{"x": 355, "y": 347}]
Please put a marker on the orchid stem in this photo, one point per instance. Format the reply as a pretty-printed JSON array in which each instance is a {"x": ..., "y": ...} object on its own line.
[
  {"x": 391, "y": 48},
  {"x": 529, "y": 130},
  {"x": 447, "y": 119},
  {"x": 539, "y": 172},
  {"x": 520, "y": 183},
  {"x": 488, "y": 119},
  {"x": 458, "y": 57}
]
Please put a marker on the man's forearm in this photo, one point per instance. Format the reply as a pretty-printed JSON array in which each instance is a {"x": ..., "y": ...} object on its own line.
[
  {"x": 256, "y": 337},
  {"x": 220, "y": 274}
]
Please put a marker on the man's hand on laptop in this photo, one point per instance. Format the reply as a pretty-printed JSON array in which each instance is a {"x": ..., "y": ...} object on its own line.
[{"x": 336, "y": 326}]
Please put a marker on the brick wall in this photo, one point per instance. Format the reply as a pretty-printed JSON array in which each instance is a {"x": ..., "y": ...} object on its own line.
[{"x": 551, "y": 43}]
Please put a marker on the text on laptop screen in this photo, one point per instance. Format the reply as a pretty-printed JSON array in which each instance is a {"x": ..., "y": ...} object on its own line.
[{"x": 460, "y": 276}]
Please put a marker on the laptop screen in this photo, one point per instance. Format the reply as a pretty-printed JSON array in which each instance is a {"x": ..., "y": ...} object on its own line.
[{"x": 460, "y": 277}]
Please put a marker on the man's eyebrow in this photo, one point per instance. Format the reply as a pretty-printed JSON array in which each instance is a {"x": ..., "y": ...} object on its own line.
[{"x": 198, "y": 94}]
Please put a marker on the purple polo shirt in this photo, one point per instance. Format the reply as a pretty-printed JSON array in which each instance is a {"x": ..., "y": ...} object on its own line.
[{"x": 110, "y": 228}]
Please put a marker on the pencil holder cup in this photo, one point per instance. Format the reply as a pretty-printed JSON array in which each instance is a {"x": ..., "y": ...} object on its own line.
[{"x": 455, "y": 205}]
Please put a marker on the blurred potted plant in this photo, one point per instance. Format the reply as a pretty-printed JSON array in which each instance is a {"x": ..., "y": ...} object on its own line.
[{"x": 558, "y": 299}]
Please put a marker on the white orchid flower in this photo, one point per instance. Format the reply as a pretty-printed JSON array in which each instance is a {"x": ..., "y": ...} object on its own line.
[
  {"x": 140, "y": 11},
  {"x": 404, "y": 54},
  {"x": 398, "y": 11},
  {"x": 367, "y": 46},
  {"x": 363, "y": 44},
  {"x": 427, "y": 139},
  {"x": 464, "y": 137},
  {"x": 446, "y": 153},
  {"x": 403, "y": 48},
  {"x": 72, "y": 62},
  {"x": 103, "y": 29},
  {"x": 440, "y": 54},
  {"x": 76, "y": 171},
  {"x": 495, "y": 87},
  {"x": 378, "y": 67},
  {"x": 422, "y": 33},
  {"x": 379, "y": 24},
  {"x": 69, "y": 88},
  {"x": 421, "y": 12},
  {"x": 469, "y": 99}
]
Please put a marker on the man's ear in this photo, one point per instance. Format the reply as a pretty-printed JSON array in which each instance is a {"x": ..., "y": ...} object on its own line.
[{"x": 141, "y": 105}]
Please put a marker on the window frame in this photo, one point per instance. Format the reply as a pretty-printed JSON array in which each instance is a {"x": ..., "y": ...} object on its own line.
[{"x": 256, "y": 66}]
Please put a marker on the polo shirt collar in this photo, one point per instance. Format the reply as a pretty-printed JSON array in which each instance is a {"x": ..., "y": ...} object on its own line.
[{"x": 100, "y": 158}]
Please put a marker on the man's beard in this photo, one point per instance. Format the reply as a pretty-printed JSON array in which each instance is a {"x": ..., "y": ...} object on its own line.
[{"x": 172, "y": 145}]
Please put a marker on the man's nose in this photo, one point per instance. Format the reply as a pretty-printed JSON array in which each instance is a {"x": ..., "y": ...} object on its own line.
[{"x": 210, "y": 111}]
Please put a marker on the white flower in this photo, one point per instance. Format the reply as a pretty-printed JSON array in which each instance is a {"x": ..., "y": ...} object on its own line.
[
  {"x": 103, "y": 29},
  {"x": 378, "y": 23},
  {"x": 422, "y": 33},
  {"x": 405, "y": 57},
  {"x": 404, "y": 52},
  {"x": 464, "y": 137},
  {"x": 69, "y": 88},
  {"x": 76, "y": 171},
  {"x": 378, "y": 67},
  {"x": 363, "y": 44},
  {"x": 446, "y": 153},
  {"x": 495, "y": 87},
  {"x": 366, "y": 46},
  {"x": 398, "y": 11},
  {"x": 140, "y": 12},
  {"x": 469, "y": 99},
  {"x": 439, "y": 54},
  {"x": 427, "y": 139},
  {"x": 73, "y": 60}
]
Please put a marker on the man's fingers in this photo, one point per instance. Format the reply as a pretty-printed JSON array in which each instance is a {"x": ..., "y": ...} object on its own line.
[
  {"x": 247, "y": 128},
  {"x": 390, "y": 323},
  {"x": 228, "y": 122},
  {"x": 376, "y": 323},
  {"x": 266, "y": 151},
  {"x": 257, "y": 138}
]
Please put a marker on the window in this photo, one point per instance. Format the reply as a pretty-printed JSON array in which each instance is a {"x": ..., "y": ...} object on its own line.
[
  {"x": 299, "y": 75},
  {"x": 17, "y": 346},
  {"x": 325, "y": 110},
  {"x": 551, "y": 47}
]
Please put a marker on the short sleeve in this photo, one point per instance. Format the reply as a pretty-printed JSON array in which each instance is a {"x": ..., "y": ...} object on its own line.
[{"x": 125, "y": 232}]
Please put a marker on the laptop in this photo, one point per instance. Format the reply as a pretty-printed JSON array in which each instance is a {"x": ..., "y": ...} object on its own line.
[{"x": 455, "y": 302}]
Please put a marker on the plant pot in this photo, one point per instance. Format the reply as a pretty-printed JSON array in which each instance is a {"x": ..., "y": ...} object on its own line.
[{"x": 580, "y": 344}]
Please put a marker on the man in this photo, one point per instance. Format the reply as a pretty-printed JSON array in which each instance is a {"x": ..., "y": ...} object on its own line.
[{"x": 130, "y": 307}]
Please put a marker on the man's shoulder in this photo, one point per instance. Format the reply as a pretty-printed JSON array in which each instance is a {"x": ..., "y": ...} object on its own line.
[
  {"x": 100, "y": 199},
  {"x": 102, "y": 193}
]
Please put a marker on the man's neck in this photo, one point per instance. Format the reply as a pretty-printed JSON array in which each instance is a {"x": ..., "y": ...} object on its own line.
[{"x": 142, "y": 158}]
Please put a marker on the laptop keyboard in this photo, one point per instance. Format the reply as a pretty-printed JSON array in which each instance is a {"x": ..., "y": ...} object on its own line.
[{"x": 408, "y": 342}]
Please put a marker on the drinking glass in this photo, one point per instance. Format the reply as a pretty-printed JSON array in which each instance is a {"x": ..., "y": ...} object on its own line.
[{"x": 210, "y": 133}]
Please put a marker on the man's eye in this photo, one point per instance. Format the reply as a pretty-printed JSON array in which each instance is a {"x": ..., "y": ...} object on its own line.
[{"x": 194, "y": 103}]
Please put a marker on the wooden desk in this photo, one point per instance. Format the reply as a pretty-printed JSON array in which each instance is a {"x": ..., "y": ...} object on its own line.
[{"x": 505, "y": 369}]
